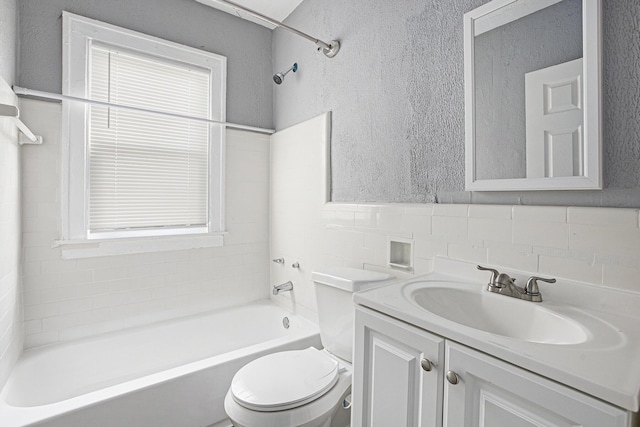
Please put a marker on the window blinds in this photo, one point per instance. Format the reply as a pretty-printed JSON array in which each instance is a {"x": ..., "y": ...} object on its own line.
[{"x": 147, "y": 171}]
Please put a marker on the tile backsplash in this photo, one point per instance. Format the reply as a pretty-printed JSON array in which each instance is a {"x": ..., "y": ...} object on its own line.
[{"x": 598, "y": 246}]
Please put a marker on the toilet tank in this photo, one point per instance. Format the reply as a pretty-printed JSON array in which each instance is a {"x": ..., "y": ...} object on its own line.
[{"x": 334, "y": 296}]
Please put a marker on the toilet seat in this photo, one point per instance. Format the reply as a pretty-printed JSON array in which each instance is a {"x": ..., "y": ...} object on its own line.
[
  {"x": 314, "y": 414},
  {"x": 284, "y": 380}
]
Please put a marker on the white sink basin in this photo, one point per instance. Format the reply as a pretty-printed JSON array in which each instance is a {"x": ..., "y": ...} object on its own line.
[
  {"x": 499, "y": 314},
  {"x": 581, "y": 335}
]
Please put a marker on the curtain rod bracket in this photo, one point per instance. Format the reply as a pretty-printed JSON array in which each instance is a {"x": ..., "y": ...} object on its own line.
[
  {"x": 26, "y": 136},
  {"x": 330, "y": 49}
]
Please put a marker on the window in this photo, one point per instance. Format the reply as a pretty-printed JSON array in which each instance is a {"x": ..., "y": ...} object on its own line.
[{"x": 133, "y": 173}]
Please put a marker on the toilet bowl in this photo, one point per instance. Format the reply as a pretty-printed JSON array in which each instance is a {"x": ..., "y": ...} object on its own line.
[
  {"x": 311, "y": 387},
  {"x": 307, "y": 388}
]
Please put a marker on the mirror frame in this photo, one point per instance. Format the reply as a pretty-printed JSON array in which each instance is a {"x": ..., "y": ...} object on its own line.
[{"x": 592, "y": 95}]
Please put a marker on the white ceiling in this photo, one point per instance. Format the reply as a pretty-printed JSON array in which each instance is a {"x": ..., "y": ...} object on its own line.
[{"x": 275, "y": 9}]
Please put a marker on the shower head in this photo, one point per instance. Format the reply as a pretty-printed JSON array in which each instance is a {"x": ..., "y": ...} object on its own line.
[{"x": 279, "y": 77}]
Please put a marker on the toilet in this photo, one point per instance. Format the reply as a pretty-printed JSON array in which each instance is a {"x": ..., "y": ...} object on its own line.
[{"x": 311, "y": 387}]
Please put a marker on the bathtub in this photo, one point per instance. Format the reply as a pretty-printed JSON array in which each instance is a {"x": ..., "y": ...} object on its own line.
[{"x": 173, "y": 374}]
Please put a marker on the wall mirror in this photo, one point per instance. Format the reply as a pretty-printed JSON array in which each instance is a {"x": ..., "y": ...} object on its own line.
[{"x": 533, "y": 95}]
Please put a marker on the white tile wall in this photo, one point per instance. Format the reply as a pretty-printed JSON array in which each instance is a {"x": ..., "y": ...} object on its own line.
[
  {"x": 594, "y": 245},
  {"x": 69, "y": 299},
  {"x": 298, "y": 193},
  {"x": 11, "y": 334}
]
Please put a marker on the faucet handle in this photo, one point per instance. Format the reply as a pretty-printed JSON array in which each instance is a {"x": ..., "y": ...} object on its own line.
[
  {"x": 531, "y": 288},
  {"x": 494, "y": 274}
]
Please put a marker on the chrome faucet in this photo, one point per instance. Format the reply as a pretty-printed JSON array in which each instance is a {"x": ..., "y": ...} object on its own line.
[
  {"x": 502, "y": 284},
  {"x": 288, "y": 286}
]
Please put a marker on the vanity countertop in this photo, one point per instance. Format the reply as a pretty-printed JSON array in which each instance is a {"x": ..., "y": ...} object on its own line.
[{"x": 605, "y": 365}]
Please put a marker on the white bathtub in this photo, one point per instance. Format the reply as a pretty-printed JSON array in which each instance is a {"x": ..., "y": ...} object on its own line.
[{"x": 172, "y": 374}]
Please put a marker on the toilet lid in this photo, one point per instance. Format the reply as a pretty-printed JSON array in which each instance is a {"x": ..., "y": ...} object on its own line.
[{"x": 284, "y": 380}]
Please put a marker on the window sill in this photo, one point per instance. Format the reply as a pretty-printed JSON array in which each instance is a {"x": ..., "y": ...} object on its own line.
[{"x": 77, "y": 249}]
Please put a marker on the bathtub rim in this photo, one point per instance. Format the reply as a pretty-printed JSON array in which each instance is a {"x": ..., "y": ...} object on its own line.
[{"x": 19, "y": 416}]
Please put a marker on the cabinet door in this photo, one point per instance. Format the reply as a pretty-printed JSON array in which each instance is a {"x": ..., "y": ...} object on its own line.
[
  {"x": 398, "y": 376},
  {"x": 493, "y": 393}
]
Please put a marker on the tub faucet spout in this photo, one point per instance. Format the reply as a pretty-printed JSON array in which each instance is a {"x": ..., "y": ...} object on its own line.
[{"x": 288, "y": 286}]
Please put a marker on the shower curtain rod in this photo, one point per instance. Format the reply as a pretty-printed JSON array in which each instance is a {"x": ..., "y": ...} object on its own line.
[
  {"x": 21, "y": 91},
  {"x": 330, "y": 49}
]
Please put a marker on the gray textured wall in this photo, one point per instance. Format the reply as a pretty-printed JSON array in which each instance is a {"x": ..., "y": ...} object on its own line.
[
  {"x": 8, "y": 31},
  {"x": 247, "y": 46},
  {"x": 397, "y": 95}
]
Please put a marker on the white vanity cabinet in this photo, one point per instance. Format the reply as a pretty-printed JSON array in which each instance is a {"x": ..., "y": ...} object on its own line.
[
  {"x": 398, "y": 375},
  {"x": 391, "y": 387},
  {"x": 491, "y": 392}
]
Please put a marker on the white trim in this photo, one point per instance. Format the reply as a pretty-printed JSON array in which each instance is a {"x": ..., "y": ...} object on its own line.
[
  {"x": 77, "y": 249},
  {"x": 137, "y": 233},
  {"x": 79, "y": 33},
  {"x": 325, "y": 161},
  {"x": 469, "y": 99},
  {"x": 592, "y": 57},
  {"x": 499, "y": 15},
  {"x": 533, "y": 184}
]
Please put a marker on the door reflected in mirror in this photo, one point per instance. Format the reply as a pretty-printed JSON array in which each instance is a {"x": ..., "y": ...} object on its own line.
[{"x": 532, "y": 82}]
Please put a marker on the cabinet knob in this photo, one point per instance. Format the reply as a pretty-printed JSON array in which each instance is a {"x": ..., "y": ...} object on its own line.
[
  {"x": 452, "y": 377},
  {"x": 426, "y": 365}
]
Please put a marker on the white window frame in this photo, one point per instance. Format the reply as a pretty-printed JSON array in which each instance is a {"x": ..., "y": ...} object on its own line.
[{"x": 78, "y": 35}]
